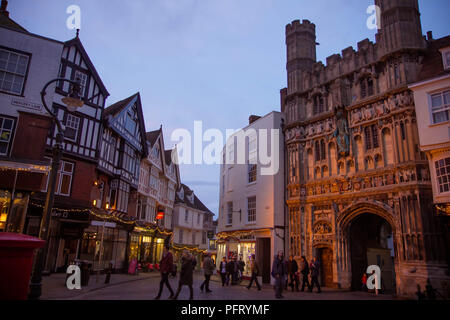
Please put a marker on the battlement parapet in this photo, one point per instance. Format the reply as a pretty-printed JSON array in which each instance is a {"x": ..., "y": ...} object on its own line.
[{"x": 296, "y": 26}]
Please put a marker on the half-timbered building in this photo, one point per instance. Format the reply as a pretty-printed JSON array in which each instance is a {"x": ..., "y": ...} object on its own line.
[
  {"x": 159, "y": 178},
  {"x": 122, "y": 146},
  {"x": 75, "y": 189}
]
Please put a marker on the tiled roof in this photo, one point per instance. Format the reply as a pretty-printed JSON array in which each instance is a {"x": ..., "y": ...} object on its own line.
[
  {"x": 152, "y": 136},
  {"x": 432, "y": 64},
  {"x": 118, "y": 106},
  {"x": 7, "y": 22},
  {"x": 197, "y": 203}
]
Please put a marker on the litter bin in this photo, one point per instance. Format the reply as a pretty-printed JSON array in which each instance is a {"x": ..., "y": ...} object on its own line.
[
  {"x": 85, "y": 273},
  {"x": 16, "y": 263}
]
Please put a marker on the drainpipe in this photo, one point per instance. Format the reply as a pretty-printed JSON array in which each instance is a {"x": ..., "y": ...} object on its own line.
[{"x": 284, "y": 187}]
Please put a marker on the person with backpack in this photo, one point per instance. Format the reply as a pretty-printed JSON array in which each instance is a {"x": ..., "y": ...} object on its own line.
[{"x": 304, "y": 270}]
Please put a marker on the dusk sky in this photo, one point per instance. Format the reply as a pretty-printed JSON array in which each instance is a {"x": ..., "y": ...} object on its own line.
[{"x": 209, "y": 60}]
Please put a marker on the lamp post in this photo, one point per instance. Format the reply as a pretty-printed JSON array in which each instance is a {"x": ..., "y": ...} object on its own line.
[{"x": 72, "y": 101}]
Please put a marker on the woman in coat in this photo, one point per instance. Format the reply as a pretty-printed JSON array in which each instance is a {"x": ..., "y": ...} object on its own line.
[{"x": 186, "y": 275}]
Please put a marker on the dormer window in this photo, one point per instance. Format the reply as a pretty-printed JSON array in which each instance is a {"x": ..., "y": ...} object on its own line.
[
  {"x": 446, "y": 57},
  {"x": 191, "y": 198},
  {"x": 181, "y": 194}
]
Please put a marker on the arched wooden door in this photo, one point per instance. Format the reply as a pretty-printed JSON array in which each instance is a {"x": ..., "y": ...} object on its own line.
[{"x": 326, "y": 260}]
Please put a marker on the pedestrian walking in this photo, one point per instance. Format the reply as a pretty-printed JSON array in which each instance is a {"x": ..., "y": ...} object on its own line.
[
  {"x": 241, "y": 267},
  {"x": 208, "y": 269},
  {"x": 364, "y": 282},
  {"x": 304, "y": 270},
  {"x": 230, "y": 271},
  {"x": 223, "y": 271},
  {"x": 166, "y": 267},
  {"x": 186, "y": 275},
  {"x": 234, "y": 276},
  {"x": 315, "y": 268},
  {"x": 279, "y": 273},
  {"x": 292, "y": 268},
  {"x": 255, "y": 271}
]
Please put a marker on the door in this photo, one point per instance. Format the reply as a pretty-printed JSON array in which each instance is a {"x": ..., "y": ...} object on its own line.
[
  {"x": 326, "y": 260},
  {"x": 264, "y": 258}
]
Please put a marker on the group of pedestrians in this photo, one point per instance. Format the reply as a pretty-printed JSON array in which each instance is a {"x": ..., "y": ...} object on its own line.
[
  {"x": 188, "y": 263},
  {"x": 284, "y": 273},
  {"x": 231, "y": 270},
  {"x": 288, "y": 273}
]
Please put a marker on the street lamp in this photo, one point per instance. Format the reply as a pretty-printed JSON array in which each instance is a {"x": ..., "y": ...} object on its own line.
[{"x": 72, "y": 101}]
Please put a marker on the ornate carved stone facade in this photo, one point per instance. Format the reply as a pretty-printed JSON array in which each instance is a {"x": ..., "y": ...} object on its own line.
[{"x": 352, "y": 150}]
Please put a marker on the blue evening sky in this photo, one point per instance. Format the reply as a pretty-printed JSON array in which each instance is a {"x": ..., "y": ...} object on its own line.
[{"x": 212, "y": 60}]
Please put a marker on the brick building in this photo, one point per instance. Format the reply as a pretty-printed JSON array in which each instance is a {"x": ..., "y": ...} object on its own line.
[{"x": 27, "y": 63}]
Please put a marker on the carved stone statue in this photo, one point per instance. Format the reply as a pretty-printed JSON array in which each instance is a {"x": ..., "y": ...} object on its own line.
[{"x": 342, "y": 132}]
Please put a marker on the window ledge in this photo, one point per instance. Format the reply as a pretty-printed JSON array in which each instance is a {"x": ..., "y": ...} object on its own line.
[
  {"x": 439, "y": 124},
  {"x": 252, "y": 183}
]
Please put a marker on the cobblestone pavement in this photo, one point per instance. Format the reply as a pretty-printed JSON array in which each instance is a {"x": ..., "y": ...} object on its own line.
[{"x": 145, "y": 287}]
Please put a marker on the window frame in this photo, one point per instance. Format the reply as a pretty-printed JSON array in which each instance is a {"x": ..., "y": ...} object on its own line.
[
  {"x": 251, "y": 214},
  {"x": 438, "y": 169},
  {"x": 443, "y": 108},
  {"x": 77, "y": 130},
  {"x": 84, "y": 77},
  {"x": 25, "y": 75},
  {"x": 229, "y": 221},
  {"x": 11, "y": 136}
]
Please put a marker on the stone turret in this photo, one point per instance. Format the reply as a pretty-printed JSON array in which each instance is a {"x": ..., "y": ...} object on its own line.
[
  {"x": 400, "y": 25},
  {"x": 301, "y": 52}
]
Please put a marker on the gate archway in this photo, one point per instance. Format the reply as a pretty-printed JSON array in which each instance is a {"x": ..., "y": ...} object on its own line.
[{"x": 367, "y": 236}]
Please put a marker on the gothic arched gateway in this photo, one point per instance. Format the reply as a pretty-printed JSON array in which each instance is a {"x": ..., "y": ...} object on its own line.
[{"x": 368, "y": 237}]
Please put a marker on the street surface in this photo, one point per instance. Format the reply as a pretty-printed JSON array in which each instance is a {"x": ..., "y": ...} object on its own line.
[{"x": 145, "y": 287}]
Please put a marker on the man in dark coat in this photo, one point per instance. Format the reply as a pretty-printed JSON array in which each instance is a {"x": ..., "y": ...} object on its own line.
[
  {"x": 186, "y": 276},
  {"x": 230, "y": 270},
  {"x": 241, "y": 267},
  {"x": 304, "y": 270},
  {"x": 255, "y": 271},
  {"x": 292, "y": 268},
  {"x": 208, "y": 267},
  {"x": 315, "y": 269},
  {"x": 223, "y": 271},
  {"x": 166, "y": 267},
  {"x": 279, "y": 272}
]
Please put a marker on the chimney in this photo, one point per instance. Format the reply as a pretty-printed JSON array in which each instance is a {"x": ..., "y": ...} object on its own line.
[
  {"x": 253, "y": 118},
  {"x": 3, "y": 7},
  {"x": 430, "y": 35}
]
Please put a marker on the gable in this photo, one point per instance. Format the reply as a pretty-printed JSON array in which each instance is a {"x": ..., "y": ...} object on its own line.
[
  {"x": 128, "y": 122},
  {"x": 76, "y": 63}
]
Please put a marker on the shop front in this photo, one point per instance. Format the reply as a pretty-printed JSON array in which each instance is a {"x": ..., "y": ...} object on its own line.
[
  {"x": 242, "y": 245},
  {"x": 67, "y": 224},
  {"x": 18, "y": 180},
  {"x": 196, "y": 253},
  {"x": 241, "y": 248},
  {"x": 146, "y": 245}
]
